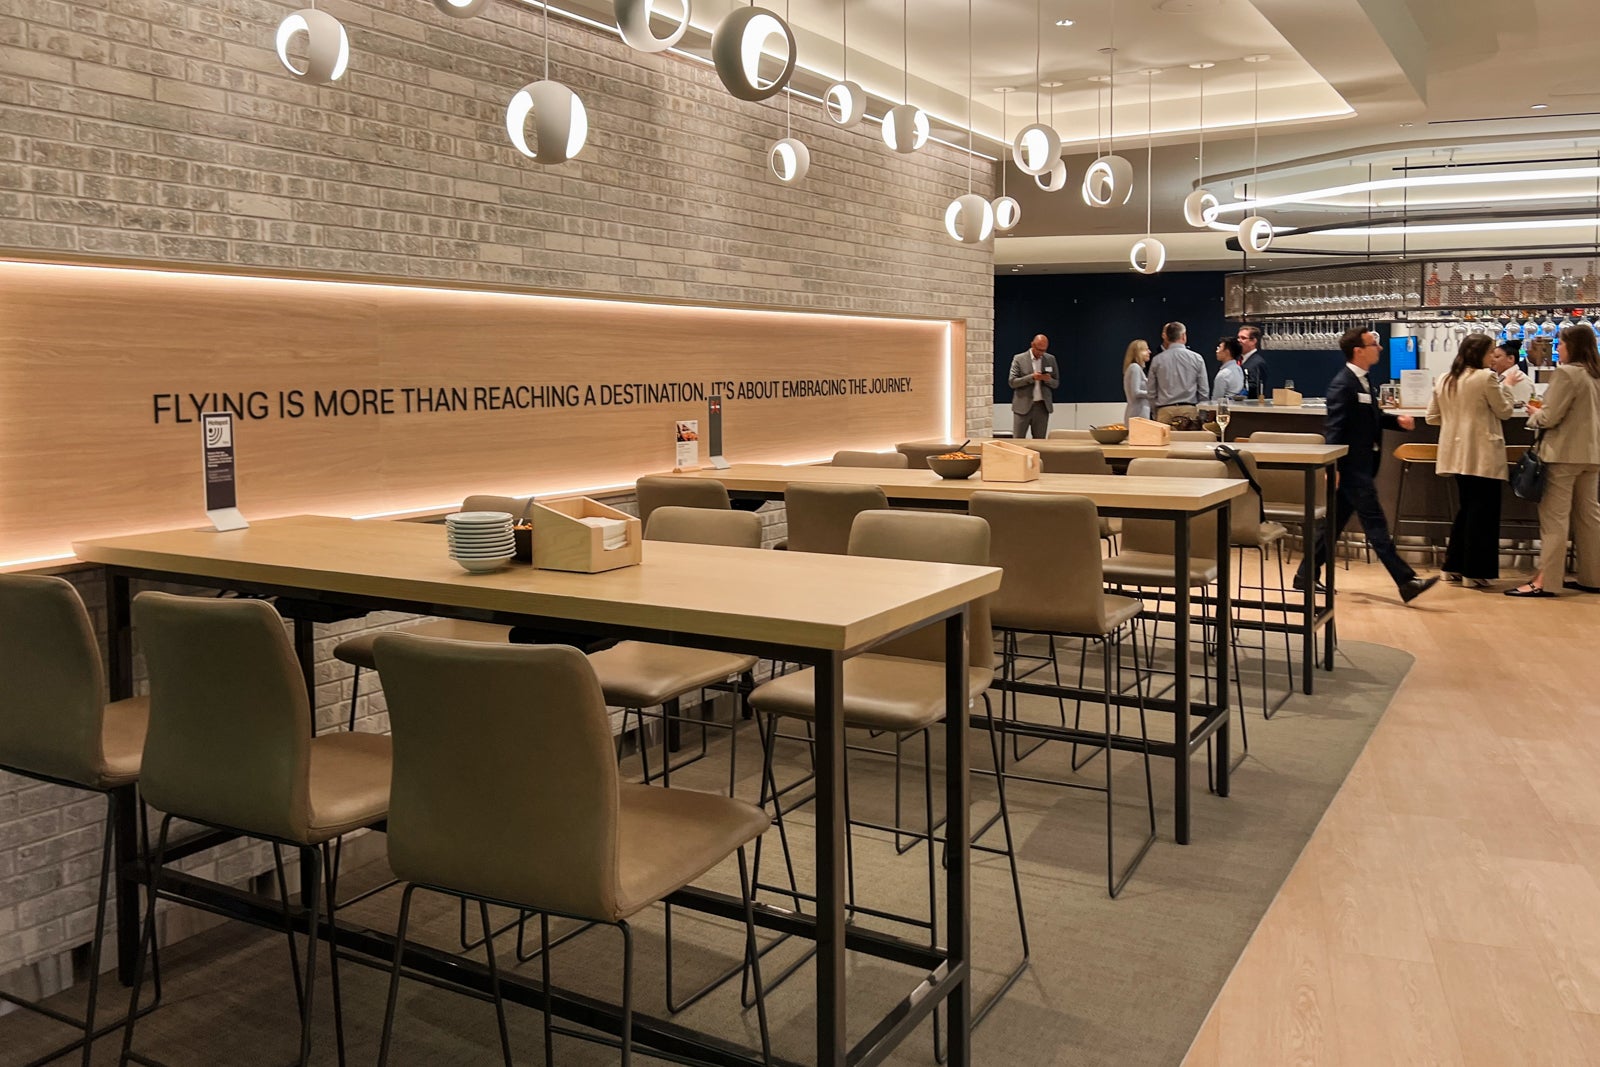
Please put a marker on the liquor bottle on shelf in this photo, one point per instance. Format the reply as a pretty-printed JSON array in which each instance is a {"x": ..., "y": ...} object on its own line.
[
  {"x": 1590, "y": 284},
  {"x": 1507, "y": 292},
  {"x": 1452, "y": 289},
  {"x": 1431, "y": 288},
  {"x": 1548, "y": 287},
  {"x": 1567, "y": 287},
  {"x": 1528, "y": 289}
]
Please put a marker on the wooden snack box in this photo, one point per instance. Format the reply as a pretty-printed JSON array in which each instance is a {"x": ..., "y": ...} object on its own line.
[
  {"x": 1286, "y": 398},
  {"x": 562, "y": 543},
  {"x": 1007, "y": 462},
  {"x": 1149, "y": 432}
]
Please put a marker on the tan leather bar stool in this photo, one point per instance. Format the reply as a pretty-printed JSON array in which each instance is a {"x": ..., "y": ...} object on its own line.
[
  {"x": 898, "y": 688},
  {"x": 886, "y": 460},
  {"x": 1069, "y": 435},
  {"x": 357, "y": 650},
  {"x": 659, "y": 491},
  {"x": 1251, "y": 531},
  {"x": 1284, "y": 492},
  {"x": 1065, "y": 600},
  {"x": 506, "y": 792},
  {"x": 1419, "y": 460},
  {"x": 820, "y": 513},
  {"x": 55, "y": 726},
  {"x": 917, "y": 452},
  {"x": 1194, "y": 435},
  {"x": 230, "y": 746},
  {"x": 1089, "y": 460}
]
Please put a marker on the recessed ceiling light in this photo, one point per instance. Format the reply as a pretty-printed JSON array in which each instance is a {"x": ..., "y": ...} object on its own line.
[
  {"x": 1051, "y": 85},
  {"x": 1006, "y": 89},
  {"x": 1406, "y": 125},
  {"x": 1539, "y": 107},
  {"x": 1063, "y": 23},
  {"x": 1151, "y": 70},
  {"x": 1099, "y": 77},
  {"x": 1258, "y": 58},
  {"x": 1201, "y": 66}
]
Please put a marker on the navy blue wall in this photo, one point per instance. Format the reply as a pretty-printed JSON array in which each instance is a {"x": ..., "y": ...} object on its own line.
[{"x": 1090, "y": 318}]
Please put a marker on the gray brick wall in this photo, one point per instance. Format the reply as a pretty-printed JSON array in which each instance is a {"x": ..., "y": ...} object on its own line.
[{"x": 168, "y": 131}]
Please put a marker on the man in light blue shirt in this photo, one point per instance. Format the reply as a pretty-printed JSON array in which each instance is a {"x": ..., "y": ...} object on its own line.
[
  {"x": 1229, "y": 381},
  {"x": 1177, "y": 380}
]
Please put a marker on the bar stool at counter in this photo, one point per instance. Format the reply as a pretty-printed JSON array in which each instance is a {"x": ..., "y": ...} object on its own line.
[
  {"x": 1089, "y": 460},
  {"x": 56, "y": 727},
  {"x": 230, "y": 747},
  {"x": 917, "y": 452},
  {"x": 656, "y": 491},
  {"x": 506, "y": 792},
  {"x": 820, "y": 514},
  {"x": 888, "y": 460}
]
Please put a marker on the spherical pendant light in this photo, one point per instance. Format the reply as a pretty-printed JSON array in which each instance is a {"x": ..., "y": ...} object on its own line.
[
  {"x": 461, "y": 9},
  {"x": 789, "y": 160},
  {"x": 1007, "y": 213},
  {"x": 845, "y": 103},
  {"x": 560, "y": 123},
  {"x": 1053, "y": 180},
  {"x": 905, "y": 128},
  {"x": 1255, "y": 234},
  {"x": 633, "y": 22},
  {"x": 1037, "y": 147},
  {"x": 1200, "y": 207},
  {"x": 327, "y": 45},
  {"x": 1108, "y": 182},
  {"x": 736, "y": 48},
  {"x": 969, "y": 219},
  {"x": 1148, "y": 255}
]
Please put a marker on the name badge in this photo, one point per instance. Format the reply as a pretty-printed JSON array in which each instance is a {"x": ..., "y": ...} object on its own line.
[{"x": 1365, "y": 398}]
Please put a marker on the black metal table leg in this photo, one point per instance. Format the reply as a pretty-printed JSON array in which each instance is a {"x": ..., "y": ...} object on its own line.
[
  {"x": 958, "y": 875},
  {"x": 1310, "y": 538},
  {"x": 1224, "y": 621},
  {"x": 1180, "y": 681},
  {"x": 1329, "y": 634},
  {"x": 831, "y": 830},
  {"x": 119, "y": 670}
]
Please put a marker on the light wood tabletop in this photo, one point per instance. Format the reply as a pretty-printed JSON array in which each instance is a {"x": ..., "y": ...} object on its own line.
[
  {"x": 1265, "y": 452},
  {"x": 803, "y": 599},
  {"x": 1109, "y": 492}
]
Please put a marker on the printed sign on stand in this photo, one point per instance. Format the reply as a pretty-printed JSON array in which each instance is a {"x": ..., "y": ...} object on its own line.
[
  {"x": 688, "y": 441},
  {"x": 217, "y": 464},
  {"x": 1416, "y": 389}
]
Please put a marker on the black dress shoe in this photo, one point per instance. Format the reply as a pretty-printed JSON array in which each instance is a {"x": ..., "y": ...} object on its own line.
[
  {"x": 1581, "y": 588},
  {"x": 1409, "y": 591},
  {"x": 1300, "y": 586}
]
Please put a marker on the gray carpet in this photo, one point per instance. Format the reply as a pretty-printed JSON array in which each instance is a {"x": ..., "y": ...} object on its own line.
[{"x": 1124, "y": 982}]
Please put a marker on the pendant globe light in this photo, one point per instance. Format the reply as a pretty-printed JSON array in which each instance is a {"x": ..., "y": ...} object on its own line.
[
  {"x": 736, "y": 47},
  {"x": 905, "y": 127},
  {"x": 1148, "y": 255},
  {"x": 1108, "y": 182},
  {"x": 560, "y": 122},
  {"x": 1255, "y": 232},
  {"x": 1007, "y": 212},
  {"x": 789, "y": 158},
  {"x": 1200, "y": 206},
  {"x": 327, "y": 45},
  {"x": 1037, "y": 146},
  {"x": 1055, "y": 179},
  {"x": 969, "y": 219},
  {"x": 633, "y": 23},
  {"x": 844, "y": 102},
  {"x": 461, "y": 9}
]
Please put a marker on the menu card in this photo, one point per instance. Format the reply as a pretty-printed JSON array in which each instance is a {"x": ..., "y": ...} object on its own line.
[
  {"x": 1416, "y": 389},
  {"x": 688, "y": 442}
]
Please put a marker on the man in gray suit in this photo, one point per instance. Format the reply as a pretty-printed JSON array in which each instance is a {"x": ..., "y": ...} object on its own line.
[{"x": 1034, "y": 376}]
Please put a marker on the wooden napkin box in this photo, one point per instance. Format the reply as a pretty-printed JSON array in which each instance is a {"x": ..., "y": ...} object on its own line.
[
  {"x": 562, "y": 543},
  {"x": 1007, "y": 462},
  {"x": 1149, "y": 432},
  {"x": 1286, "y": 398}
]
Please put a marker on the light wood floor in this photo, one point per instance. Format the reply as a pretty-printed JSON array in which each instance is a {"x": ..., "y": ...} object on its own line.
[{"x": 1447, "y": 910}]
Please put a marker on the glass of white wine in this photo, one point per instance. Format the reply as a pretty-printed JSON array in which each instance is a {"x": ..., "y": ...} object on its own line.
[{"x": 1223, "y": 415}]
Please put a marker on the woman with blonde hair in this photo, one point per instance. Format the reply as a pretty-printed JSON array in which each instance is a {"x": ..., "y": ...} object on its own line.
[
  {"x": 1569, "y": 443},
  {"x": 1469, "y": 406},
  {"x": 1133, "y": 381}
]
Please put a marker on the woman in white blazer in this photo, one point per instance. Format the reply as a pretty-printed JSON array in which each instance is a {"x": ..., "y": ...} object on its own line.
[
  {"x": 1133, "y": 382},
  {"x": 1570, "y": 448},
  {"x": 1469, "y": 406}
]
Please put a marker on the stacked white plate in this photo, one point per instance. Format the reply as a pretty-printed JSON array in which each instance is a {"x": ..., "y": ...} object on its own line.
[{"x": 480, "y": 541}]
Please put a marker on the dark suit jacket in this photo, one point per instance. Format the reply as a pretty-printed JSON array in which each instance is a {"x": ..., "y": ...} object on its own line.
[
  {"x": 1255, "y": 375},
  {"x": 1354, "y": 422}
]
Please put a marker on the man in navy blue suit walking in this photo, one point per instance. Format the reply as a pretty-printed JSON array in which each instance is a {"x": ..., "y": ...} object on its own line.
[{"x": 1356, "y": 421}]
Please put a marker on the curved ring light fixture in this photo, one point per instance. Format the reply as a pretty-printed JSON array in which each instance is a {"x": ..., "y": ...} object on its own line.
[
  {"x": 969, "y": 219},
  {"x": 1200, "y": 208},
  {"x": 1428, "y": 181},
  {"x": 1108, "y": 182},
  {"x": 1007, "y": 212},
  {"x": 327, "y": 45},
  {"x": 1036, "y": 148},
  {"x": 461, "y": 9},
  {"x": 789, "y": 159},
  {"x": 905, "y": 128},
  {"x": 736, "y": 47},
  {"x": 1255, "y": 234},
  {"x": 1053, "y": 180},
  {"x": 560, "y": 122},
  {"x": 845, "y": 103},
  {"x": 633, "y": 23},
  {"x": 1148, "y": 255}
]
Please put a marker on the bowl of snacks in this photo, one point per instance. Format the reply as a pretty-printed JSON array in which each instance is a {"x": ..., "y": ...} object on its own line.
[
  {"x": 522, "y": 532},
  {"x": 955, "y": 465},
  {"x": 1114, "y": 434}
]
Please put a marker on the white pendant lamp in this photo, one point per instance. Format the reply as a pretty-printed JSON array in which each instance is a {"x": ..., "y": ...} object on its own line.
[
  {"x": 1108, "y": 181},
  {"x": 1038, "y": 145},
  {"x": 1148, "y": 255},
  {"x": 905, "y": 126},
  {"x": 633, "y": 23},
  {"x": 1007, "y": 212},
  {"x": 1053, "y": 180},
  {"x": 788, "y": 158},
  {"x": 560, "y": 121},
  {"x": 327, "y": 45},
  {"x": 461, "y": 9},
  {"x": 1200, "y": 206},
  {"x": 736, "y": 47},
  {"x": 969, "y": 218},
  {"x": 1255, "y": 232},
  {"x": 844, "y": 102}
]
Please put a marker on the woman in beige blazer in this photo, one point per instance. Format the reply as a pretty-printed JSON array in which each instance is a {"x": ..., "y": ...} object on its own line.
[
  {"x": 1570, "y": 448},
  {"x": 1469, "y": 405}
]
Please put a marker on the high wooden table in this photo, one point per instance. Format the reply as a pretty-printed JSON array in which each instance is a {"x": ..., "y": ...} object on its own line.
[
  {"x": 1174, "y": 500},
  {"x": 812, "y": 609}
]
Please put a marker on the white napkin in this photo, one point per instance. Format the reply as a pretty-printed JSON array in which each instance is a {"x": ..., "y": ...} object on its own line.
[{"x": 613, "y": 532}]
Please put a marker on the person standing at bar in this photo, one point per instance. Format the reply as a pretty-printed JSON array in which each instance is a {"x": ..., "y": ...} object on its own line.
[
  {"x": 1356, "y": 421},
  {"x": 1133, "y": 381},
  {"x": 1177, "y": 380},
  {"x": 1469, "y": 406},
  {"x": 1034, "y": 377},
  {"x": 1229, "y": 381},
  {"x": 1252, "y": 362}
]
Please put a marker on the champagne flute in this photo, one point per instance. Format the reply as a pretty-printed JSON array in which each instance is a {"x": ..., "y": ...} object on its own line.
[{"x": 1223, "y": 417}]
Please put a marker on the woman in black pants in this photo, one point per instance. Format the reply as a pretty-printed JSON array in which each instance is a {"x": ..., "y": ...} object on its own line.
[{"x": 1469, "y": 405}]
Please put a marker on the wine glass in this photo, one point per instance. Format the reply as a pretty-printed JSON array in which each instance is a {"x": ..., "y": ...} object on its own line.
[{"x": 1223, "y": 417}]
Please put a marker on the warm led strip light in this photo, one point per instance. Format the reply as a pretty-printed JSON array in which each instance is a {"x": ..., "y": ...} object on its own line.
[{"x": 1432, "y": 181}]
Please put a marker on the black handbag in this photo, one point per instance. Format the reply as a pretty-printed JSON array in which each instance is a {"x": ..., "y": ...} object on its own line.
[{"x": 1528, "y": 476}]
